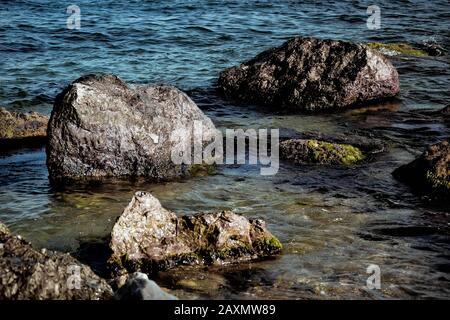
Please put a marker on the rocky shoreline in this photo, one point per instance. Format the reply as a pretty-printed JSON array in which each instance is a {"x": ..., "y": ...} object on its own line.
[
  {"x": 146, "y": 238},
  {"x": 102, "y": 127}
]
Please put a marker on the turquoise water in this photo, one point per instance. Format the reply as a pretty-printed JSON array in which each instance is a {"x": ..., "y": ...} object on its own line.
[{"x": 334, "y": 222}]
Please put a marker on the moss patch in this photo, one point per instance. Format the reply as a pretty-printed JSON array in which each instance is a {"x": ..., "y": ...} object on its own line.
[
  {"x": 436, "y": 181},
  {"x": 399, "y": 48},
  {"x": 201, "y": 170},
  {"x": 326, "y": 152}
]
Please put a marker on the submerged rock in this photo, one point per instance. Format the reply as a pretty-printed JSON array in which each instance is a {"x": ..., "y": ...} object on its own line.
[
  {"x": 429, "y": 172},
  {"x": 26, "y": 273},
  {"x": 148, "y": 237},
  {"x": 312, "y": 74},
  {"x": 392, "y": 49},
  {"x": 139, "y": 287},
  {"x": 101, "y": 126},
  {"x": 426, "y": 48},
  {"x": 432, "y": 48},
  {"x": 16, "y": 127},
  {"x": 314, "y": 151}
]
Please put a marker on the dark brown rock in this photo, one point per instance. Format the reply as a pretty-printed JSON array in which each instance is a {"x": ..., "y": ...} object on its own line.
[
  {"x": 101, "y": 127},
  {"x": 148, "y": 237},
  {"x": 307, "y": 74},
  {"x": 26, "y": 273},
  {"x": 430, "y": 172}
]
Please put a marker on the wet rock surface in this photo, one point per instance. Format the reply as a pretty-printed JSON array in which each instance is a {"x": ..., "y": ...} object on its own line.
[
  {"x": 101, "y": 126},
  {"x": 26, "y": 273},
  {"x": 307, "y": 74},
  {"x": 22, "y": 128},
  {"x": 139, "y": 287},
  {"x": 149, "y": 238},
  {"x": 430, "y": 172},
  {"x": 302, "y": 151}
]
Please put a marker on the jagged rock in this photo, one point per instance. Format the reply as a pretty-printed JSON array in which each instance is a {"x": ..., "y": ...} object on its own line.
[
  {"x": 430, "y": 172},
  {"x": 22, "y": 128},
  {"x": 312, "y": 74},
  {"x": 302, "y": 151},
  {"x": 148, "y": 237},
  {"x": 101, "y": 126},
  {"x": 139, "y": 287},
  {"x": 26, "y": 273}
]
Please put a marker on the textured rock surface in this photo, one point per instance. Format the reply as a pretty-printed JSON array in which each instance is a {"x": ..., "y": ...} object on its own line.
[
  {"x": 430, "y": 171},
  {"x": 139, "y": 287},
  {"x": 15, "y": 125},
  {"x": 148, "y": 237},
  {"x": 314, "y": 151},
  {"x": 313, "y": 74},
  {"x": 26, "y": 273},
  {"x": 102, "y": 127}
]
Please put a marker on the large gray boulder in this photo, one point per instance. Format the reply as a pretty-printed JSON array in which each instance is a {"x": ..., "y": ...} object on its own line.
[
  {"x": 26, "y": 273},
  {"x": 101, "y": 126},
  {"x": 307, "y": 74},
  {"x": 148, "y": 238}
]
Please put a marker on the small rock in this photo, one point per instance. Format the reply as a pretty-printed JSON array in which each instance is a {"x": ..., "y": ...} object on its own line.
[
  {"x": 4, "y": 229},
  {"x": 302, "y": 151},
  {"x": 22, "y": 128},
  {"x": 148, "y": 238},
  {"x": 26, "y": 273},
  {"x": 139, "y": 287},
  {"x": 311, "y": 74},
  {"x": 430, "y": 172}
]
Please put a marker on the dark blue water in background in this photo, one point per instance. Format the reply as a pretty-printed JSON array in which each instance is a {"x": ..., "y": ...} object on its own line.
[
  {"x": 333, "y": 222},
  {"x": 185, "y": 43}
]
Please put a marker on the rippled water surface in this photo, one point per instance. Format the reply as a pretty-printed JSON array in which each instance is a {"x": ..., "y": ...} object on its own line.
[{"x": 333, "y": 222}]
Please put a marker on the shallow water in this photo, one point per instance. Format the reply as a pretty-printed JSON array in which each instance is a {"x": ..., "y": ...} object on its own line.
[{"x": 333, "y": 222}]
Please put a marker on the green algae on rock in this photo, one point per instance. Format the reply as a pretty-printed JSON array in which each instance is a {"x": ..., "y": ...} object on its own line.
[
  {"x": 149, "y": 238},
  {"x": 397, "y": 48},
  {"x": 430, "y": 172},
  {"x": 302, "y": 151}
]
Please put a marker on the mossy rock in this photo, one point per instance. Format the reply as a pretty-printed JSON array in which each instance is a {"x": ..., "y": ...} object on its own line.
[
  {"x": 430, "y": 172},
  {"x": 203, "y": 169},
  {"x": 149, "y": 238},
  {"x": 315, "y": 151},
  {"x": 15, "y": 125},
  {"x": 397, "y": 48}
]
